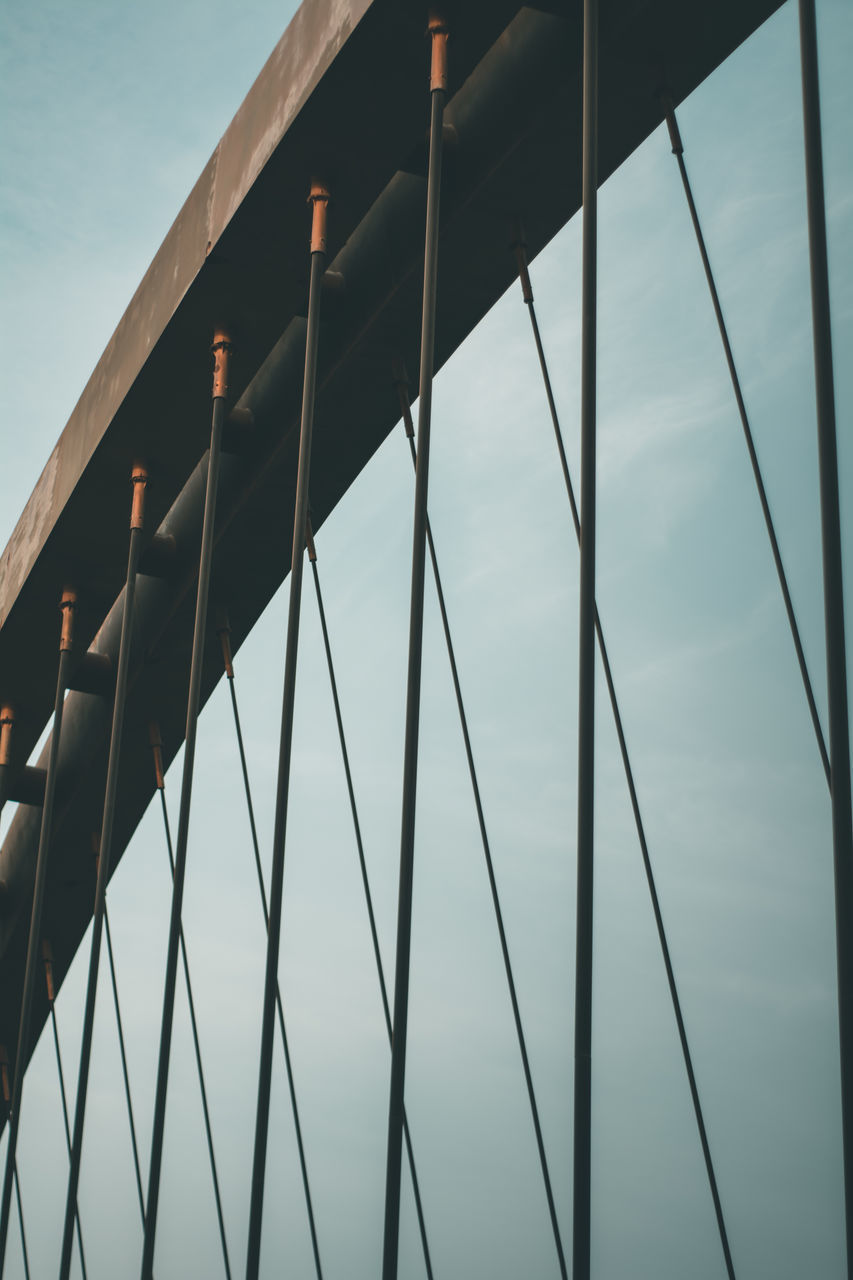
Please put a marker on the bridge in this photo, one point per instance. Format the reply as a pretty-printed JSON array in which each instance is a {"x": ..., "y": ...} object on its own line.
[{"x": 237, "y": 264}]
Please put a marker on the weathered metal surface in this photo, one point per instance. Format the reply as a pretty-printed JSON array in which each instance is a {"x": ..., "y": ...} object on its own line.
[{"x": 237, "y": 255}]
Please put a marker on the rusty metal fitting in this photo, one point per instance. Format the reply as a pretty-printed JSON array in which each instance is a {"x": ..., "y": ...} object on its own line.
[
  {"x": 437, "y": 28},
  {"x": 47, "y": 953},
  {"x": 67, "y": 605},
  {"x": 523, "y": 273},
  {"x": 309, "y": 540},
  {"x": 7, "y": 720},
  {"x": 222, "y": 350},
  {"x": 223, "y": 630},
  {"x": 139, "y": 480},
  {"x": 156, "y": 742},
  {"x": 319, "y": 200}
]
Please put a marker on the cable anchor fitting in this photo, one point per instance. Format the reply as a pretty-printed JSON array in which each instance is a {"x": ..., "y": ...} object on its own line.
[
  {"x": 47, "y": 953},
  {"x": 439, "y": 33},
  {"x": 401, "y": 382},
  {"x": 309, "y": 540},
  {"x": 222, "y": 350},
  {"x": 523, "y": 273},
  {"x": 319, "y": 200},
  {"x": 671, "y": 124},
  {"x": 67, "y": 605},
  {"x": 7, "y": 722},
  {"x": 223, "y": 630},
  {"x": 139, "y": 480},
  {"x": 156, "y": 743}
]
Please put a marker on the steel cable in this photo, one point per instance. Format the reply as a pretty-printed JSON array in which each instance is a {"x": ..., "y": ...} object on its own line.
[
  {"x": 469, "y": 753},
  {"x": 368, "y": 897},
  {"x": 678, "y": 152},
  {"x": 632, "y": 790},
  {"x": 114, "y": 984},
  {"x": 279, "y": 1006},
  {"x": 197, "y": 1049}
]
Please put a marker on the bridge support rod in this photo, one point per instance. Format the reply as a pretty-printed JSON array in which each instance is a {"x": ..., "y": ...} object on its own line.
[
  {"x": 586, "y": 659},
  {"x": 833, "y": 597},
  {"x": 438, "y": 92},
  {"x": 222, "y": 354},
  {"x": 319, "y": 199},
  {"x": 7, "y": 726},
  {"x": 66, "y": 644},
  {"x": 139, "y": 480}
]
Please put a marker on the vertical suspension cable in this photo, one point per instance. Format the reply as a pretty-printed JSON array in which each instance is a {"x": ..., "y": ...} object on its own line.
[
  {"x": 527, "y": 293},
  {"x": 139, "y": 480},
  {"x": 586, "y": 660},
  {"x": 47, "y": 955},
  {"x": 222, "y": 354},
  {"x": 438, "y": 93},
  {"x": 678, "y": 152},
  {"x": 319, "y": 198},
  {"x": 368, "y": 897},
  {"x": 833, "y": 591},
  {"x": 7, "y": 1098},
  {"x": 66, "y": 642},
  {"x": 136, "y": 1166},
  {"x": 487, "y": 852},
  {"x": 224, "y": 636}
]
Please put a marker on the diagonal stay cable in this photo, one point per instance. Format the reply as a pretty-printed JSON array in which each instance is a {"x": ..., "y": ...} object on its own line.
[
  {"x": 678, "y": 152},
  {"x": 47, "y": 956},
  {"x": 303, "y": 1165},
  {"x": 368, "y": 897},
  {"x": 119, "y": 1025},
  {"x": 629, "y": 777},
  {"x": 487, "y": 852},
  {"x": 7, "y": 1097},
  {"x": 191, "y": 1002}
]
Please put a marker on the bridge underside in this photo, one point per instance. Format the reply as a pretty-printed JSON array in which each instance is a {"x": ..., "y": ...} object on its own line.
[{"x": 343, "y": 98}]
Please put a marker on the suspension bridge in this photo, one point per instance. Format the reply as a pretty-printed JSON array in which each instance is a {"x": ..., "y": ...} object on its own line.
[{"x": 331, "y": 338}]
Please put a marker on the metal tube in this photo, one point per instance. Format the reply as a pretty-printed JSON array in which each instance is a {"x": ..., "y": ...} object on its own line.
[
  {"x": 65, "y": 658},
  {"x": 632, "y": 791},
  {"x": 139, "y": 480},
  {"x": 222, "y": 350},
  {"x": 586, "y": 661},
  {"x": 320, "y": 198},
  {"x": 678, "y": 152},
  {"x": 833, "y": 596},
  {"x": 438, "y": 91}
]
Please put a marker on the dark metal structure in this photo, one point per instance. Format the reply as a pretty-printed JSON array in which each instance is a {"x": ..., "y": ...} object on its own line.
[{"x": 535, "y": 107}]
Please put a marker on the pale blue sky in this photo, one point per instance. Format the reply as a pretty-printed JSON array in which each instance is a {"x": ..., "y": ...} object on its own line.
[{"x": 108, "y": 115}]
